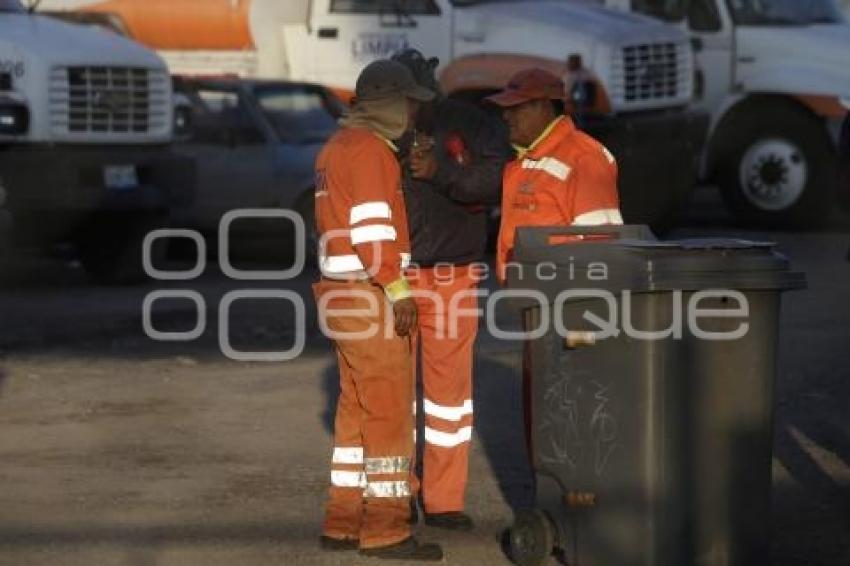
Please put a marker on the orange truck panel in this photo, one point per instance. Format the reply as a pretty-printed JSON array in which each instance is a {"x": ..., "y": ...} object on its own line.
[{"x": 184, "y": 24}]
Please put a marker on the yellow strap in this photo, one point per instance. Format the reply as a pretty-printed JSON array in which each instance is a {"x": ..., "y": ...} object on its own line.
[
  {"x": 389, "y": 142},
  {"x": 398, "y": 290},
  {"x": 521, "y": 151}
]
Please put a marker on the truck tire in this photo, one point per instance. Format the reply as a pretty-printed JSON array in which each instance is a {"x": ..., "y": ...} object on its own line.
[
  {"x": 306, "y": 207},
  {"x": 776, "y": 167},
  {"x": 110, "y": 246}
]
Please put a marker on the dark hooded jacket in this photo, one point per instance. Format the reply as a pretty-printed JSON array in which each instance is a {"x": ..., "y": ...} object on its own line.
[{"x": 447, "y": 215}]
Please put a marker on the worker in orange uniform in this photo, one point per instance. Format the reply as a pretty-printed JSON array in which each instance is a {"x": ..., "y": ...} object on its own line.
[
  {"x": 453, "y": 168},
  {"x": 561, "y": 176},
  {"x": 366, "y": 307}
]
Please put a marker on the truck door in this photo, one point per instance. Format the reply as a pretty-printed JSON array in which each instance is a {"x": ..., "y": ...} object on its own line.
[
  {"x": 712, "y": 27},
  {"x": 346, "y": 35}
]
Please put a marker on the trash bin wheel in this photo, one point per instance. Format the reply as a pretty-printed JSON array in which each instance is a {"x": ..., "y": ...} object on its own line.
[{"x": 531, "y": 538}]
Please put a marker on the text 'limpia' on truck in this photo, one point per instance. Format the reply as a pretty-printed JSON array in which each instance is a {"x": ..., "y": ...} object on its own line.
[{"x": 640, "y": 71}]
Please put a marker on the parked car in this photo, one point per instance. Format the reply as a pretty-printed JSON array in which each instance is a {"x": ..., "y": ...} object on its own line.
[{"x": 255, "y": 143}]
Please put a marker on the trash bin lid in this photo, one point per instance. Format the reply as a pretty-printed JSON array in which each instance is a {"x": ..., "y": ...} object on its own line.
[{"x": 598, "y": 258}]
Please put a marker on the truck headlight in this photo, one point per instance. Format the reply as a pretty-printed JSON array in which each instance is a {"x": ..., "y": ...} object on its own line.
[{"x": 14, "y": 118}]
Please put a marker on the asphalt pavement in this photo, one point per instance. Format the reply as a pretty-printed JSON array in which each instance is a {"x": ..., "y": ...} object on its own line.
[{"x": 119, "y": 449}]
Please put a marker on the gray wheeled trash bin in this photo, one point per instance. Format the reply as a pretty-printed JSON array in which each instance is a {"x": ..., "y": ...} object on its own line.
[{"x": 651, "y": 446}]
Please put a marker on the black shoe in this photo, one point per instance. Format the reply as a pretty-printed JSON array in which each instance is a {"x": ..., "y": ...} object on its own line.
[
  {"x": 408, "y": 549},
  {"x": 455, "y": 521},
  {"x": 338, "y": 544},
  {"x": 414, "y": 513}
]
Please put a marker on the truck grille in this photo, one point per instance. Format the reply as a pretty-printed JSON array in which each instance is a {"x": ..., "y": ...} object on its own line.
[
  {"x": 657, "y": 72},
  {"x": 112, "y": 101}
]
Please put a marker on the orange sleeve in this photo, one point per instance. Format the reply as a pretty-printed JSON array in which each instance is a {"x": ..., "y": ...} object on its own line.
[
  {"x": 375, "y": 180},
  {"x": 594, "y": 197}
]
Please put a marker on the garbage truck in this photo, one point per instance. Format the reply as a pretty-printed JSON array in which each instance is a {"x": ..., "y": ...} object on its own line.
[
  {"x": 773, "y": 75},
  {"x": 86, "y": 117},
  {"x": 629, "y": 76}
]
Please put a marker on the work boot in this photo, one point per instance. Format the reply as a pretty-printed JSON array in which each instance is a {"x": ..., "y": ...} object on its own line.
[
  {"x": 453, "y": 521},
  {"x": 408, "y": 549},
  {"x": 331, "y": 544}
]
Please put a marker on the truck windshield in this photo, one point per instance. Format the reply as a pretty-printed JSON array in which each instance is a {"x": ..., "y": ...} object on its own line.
[
  {"x": 667, "y": 10},
  {"x": 785, "y": 12},
  {"x": 298, "y": 114},
  {"x": 11, "y": 6}
]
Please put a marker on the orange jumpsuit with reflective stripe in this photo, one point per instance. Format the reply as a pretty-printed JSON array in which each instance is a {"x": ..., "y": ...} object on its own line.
[
  {"x": 448, "y": 325},
  {"x": 362, "y": 222},
  {"x": 564, "y": 178}
]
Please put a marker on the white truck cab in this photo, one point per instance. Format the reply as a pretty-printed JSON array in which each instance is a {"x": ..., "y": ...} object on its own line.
[
  {"x": 773, "y": 74},
  {"x": 85, "y": 118},
  {"x": 640, "y": 64}
]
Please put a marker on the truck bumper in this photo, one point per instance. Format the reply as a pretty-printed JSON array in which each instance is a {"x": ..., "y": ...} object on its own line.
[
  {"x": 658, "y": 158},
  {"x": 53, "y": 190}
]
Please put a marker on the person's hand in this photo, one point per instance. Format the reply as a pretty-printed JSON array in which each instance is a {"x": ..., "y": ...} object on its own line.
[{"x": 404, "y": 312}]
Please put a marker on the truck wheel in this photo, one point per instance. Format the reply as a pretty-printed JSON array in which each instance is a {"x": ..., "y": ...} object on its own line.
[
  {"x": 531, "y": 538},
  {"x": 110, "y": 246},
  {"x": 306, "y": 207},
  {"x": 777, "y": 168}
]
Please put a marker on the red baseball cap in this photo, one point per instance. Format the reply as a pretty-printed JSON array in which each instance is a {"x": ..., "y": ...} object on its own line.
[{"x": 528, "y": 85}]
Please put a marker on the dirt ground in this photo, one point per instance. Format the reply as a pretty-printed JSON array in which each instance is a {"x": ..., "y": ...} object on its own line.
[{"x": 115, "y": 449}]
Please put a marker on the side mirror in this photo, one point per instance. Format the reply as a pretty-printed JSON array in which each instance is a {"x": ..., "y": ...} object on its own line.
[
  {"x": 183, "y": 123},
  {"x": 697, "y": 44}
]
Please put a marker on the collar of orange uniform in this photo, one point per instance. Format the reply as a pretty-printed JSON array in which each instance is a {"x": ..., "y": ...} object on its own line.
[
  {"x": 560, "y": 127},
  {"x": 387, "y": 141}
]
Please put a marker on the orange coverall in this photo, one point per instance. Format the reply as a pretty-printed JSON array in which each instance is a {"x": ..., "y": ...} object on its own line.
[{"x": 362, "y": 219}]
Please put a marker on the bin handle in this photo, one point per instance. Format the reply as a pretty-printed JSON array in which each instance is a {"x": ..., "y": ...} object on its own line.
[
  {"x": 542, "y": 235},
  {"x": 578, "y": 339}
]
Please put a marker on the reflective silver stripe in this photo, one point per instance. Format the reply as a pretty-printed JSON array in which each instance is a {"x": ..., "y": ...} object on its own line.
[
  {"x": 344, "y": 478},
  {"x": 447, "y": 413},
  {"x": 349, "y": 266},
  {"x": 388, "y": 465},
  {"x": 369, "y": 210},
  {"x": 599, "y": 217},
  {"x": 608, "y": 155},
  {"x": 387, "y": 489},
  {"x": 550, "y": 165},
  {"x": 373, "y": 233},
  {"x": 448, "y": 439},
  {"x": 348, "y": 455},
  {"x": 341, "y": 263}
]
